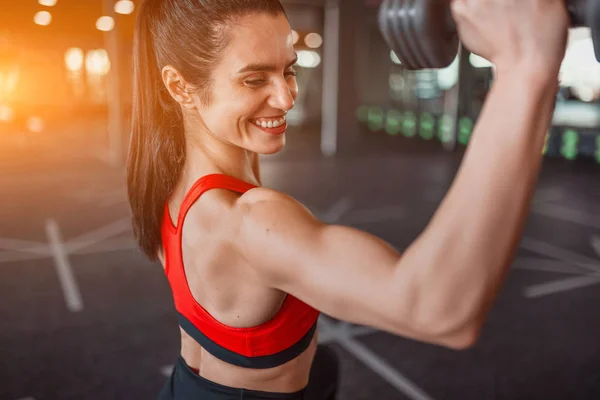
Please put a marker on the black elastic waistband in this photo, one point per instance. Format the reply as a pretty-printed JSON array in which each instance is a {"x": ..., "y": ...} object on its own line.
[{"x": 185, "y": 384}]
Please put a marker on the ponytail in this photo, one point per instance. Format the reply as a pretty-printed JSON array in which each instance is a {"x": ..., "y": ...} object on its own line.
[
  {"x": 157, "y": 147},
  {"x": 189, "y": 35}
]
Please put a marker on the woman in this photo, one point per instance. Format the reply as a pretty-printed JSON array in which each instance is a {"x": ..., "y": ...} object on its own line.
[{"x": 250, "y": 267}]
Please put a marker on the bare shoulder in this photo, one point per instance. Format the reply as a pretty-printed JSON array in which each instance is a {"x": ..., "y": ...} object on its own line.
[
  {"x": 226, "y": 214},
  {"x": 264, "y": 206},
  {"x": 272, "y": 229}
]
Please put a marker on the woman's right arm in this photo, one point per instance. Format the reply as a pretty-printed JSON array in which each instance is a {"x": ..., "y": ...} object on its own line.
[{"x": 442, "y": 287}]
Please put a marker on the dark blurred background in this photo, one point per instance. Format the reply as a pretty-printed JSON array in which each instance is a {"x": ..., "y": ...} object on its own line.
[{"x": 83, "y": 315}]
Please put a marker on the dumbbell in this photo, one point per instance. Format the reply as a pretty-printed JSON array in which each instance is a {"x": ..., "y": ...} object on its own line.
[{"x": 423, "y": 33}]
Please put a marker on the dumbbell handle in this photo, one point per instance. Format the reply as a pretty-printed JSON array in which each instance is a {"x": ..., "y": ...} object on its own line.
[
  {"x": 578, "y": 12},
  {"x": 583, "y": 13}
]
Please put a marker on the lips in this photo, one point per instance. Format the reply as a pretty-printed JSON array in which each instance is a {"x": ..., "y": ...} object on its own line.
[{"x": 273, "y": 131}]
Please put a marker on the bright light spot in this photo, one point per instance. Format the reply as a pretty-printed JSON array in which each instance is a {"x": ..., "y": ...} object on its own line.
[
  {"x": 124, "y": 7},
  {"x": 74, "y": 59},
  {"x": 447, "y": 77},
  {"x": 47, "y": 3},
  {"x": 295, "y": 37},
  {"x": 308, "y": 59},
  {"x": 585, "y": 93},
  {"x": 105, "y": 24},
  {"x": 479, "y": 62},
  {"x": 8, "y": 81},
  {"x": 42, "y": 18},
  {"x": 97, "y": 62},
  {"x": 580, "y": 70},
  {"x": 35, "y": 124},
  {"x": 6, "y": 113},
  {"x": 395, "y": 58},
  {"x": 578, "y": 33},
  {"x": 313, "y": 40}
]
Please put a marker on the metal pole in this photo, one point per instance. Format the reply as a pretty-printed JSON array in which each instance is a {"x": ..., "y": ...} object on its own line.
[
  {"x": 329, "y": 125},
  {"x": 111, "y": 40}
]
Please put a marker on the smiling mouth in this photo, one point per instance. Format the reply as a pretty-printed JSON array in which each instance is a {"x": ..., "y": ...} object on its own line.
[{"x": 269, "y": 122}]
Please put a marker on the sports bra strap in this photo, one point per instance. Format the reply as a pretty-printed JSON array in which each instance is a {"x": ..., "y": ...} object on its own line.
[{"x": 207, "y": 182}]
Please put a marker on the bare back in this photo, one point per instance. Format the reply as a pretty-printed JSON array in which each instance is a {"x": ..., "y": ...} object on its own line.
[{"x": 223, "y": 283}]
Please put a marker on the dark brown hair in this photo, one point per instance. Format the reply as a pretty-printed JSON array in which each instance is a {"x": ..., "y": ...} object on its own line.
[{"x": 189, "y": 35}]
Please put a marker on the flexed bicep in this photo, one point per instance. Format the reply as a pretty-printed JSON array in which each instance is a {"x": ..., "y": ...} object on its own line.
[{"x": 344, "y": 272}]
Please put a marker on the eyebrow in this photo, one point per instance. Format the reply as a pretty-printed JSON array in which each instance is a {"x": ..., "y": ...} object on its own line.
[{"x": 265, "y": 67}]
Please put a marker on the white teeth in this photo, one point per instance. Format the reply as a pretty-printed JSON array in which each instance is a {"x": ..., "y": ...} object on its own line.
[{"x": 270, "y": 124}]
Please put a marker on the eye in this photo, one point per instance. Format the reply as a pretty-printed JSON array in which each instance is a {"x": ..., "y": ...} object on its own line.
[
  {"x": 291, "y": 72},
  {"x": 255, "y": 82}
]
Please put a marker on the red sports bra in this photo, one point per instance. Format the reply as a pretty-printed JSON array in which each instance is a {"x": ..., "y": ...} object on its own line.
[{"x": 273, "y": 343}]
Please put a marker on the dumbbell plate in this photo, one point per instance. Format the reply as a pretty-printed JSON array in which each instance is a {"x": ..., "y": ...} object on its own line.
[
  {"x": 436, "y": 30},
  {"x": 389, "y": 17},
  {"x": 421, "y": 32}
]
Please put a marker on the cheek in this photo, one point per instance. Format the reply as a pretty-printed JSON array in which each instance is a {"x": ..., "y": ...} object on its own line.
[
  {"x": 226, "y": 116},
  {"x": 246, "y": 105}
]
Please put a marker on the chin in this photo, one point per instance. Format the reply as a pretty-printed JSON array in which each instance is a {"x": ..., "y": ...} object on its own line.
[
  {"x": 272, "y": 148},
  {"x": 266, "y": 143}
]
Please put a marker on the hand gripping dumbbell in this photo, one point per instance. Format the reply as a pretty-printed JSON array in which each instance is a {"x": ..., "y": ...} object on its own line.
[{"x": 423, "y": 33}]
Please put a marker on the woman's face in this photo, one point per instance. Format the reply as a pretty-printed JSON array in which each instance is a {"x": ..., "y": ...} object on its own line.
[{"x": 254, "y": 84}]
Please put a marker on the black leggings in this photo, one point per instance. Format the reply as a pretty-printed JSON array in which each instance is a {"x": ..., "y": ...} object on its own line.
[
  {"x": 324, "y": 375},
  {"x": 185, "y": 384}
]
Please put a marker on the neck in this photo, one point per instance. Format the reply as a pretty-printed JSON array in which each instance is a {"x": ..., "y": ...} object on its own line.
[{"x": 205, "y": 154}]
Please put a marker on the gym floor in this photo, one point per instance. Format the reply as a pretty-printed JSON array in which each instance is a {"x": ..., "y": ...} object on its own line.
[{"x": 84, "y": 316}]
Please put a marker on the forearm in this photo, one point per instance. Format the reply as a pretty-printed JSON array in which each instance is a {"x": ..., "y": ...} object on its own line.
[{"x": 465, "y": 251}]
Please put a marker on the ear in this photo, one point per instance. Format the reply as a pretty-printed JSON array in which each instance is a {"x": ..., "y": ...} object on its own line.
[{"x": 178, "y": 88}]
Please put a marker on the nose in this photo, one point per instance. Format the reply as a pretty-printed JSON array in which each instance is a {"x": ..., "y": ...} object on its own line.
[{"x": 283, "y": 96}]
